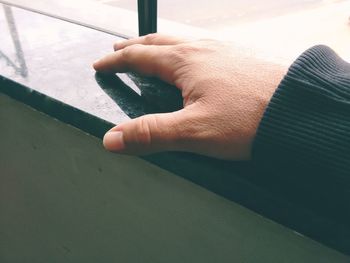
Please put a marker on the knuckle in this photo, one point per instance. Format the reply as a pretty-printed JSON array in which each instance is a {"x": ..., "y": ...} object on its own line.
[
  {"x": 187, "y": 50},
  {"x": 126, "y": 52},
  {"x": 174, "y": 56},
  {"x": 143, "y": 130},
  {"x": 150, "y": 38},
  {"x": 130, "y": 50}
]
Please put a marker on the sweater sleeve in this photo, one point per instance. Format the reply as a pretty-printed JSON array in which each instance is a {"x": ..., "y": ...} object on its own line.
[
  {"x": 305, "y": 130},
  {"x": 302, "y": 146}
]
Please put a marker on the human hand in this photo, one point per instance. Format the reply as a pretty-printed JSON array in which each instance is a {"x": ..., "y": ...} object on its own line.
[{"x": 225, "y": 91}]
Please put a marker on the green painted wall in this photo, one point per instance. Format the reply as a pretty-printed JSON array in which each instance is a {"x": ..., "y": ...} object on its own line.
[{"x": 64, "y": 199}]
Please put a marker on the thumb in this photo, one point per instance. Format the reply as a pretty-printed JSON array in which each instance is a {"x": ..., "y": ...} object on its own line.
[{"x": 147, "y": 134}]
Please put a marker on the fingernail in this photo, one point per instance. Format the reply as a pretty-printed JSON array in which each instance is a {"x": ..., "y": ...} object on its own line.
[
  {"x": 115, "y": 47},
  {"x": 113, "y": 141}
]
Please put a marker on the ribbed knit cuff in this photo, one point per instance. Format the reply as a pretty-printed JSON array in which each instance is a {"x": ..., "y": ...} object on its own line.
[{"x": 306, "y": 127}]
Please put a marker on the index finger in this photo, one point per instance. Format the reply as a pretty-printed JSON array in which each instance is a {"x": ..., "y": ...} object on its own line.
[
  {"x": 150, "y": 39},
  {"x": 147, "y": 60}
]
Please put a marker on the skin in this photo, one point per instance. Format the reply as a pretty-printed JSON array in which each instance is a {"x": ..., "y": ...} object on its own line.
[{"x": 225, "y": 92}]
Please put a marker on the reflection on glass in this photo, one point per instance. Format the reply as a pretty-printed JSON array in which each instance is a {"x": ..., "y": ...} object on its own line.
[
  {"x": 21, "y": 68},
  {"x": 216, "y": 14}
]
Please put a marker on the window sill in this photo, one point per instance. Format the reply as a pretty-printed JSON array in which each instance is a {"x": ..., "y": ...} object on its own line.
[{"x": 50, "y": 70}]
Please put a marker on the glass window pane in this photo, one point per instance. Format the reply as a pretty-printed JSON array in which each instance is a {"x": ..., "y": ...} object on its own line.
[{"x": 284, "y": 27}]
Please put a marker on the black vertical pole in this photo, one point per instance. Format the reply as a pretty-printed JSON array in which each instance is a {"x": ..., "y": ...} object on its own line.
[{"x": 147, "y": 12}]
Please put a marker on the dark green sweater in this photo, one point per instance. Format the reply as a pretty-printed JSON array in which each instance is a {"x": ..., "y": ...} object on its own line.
[{"x": 303, "y": 141}]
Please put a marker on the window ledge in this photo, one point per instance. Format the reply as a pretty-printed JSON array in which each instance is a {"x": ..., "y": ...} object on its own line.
[{"x": 46, "y": 64}]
